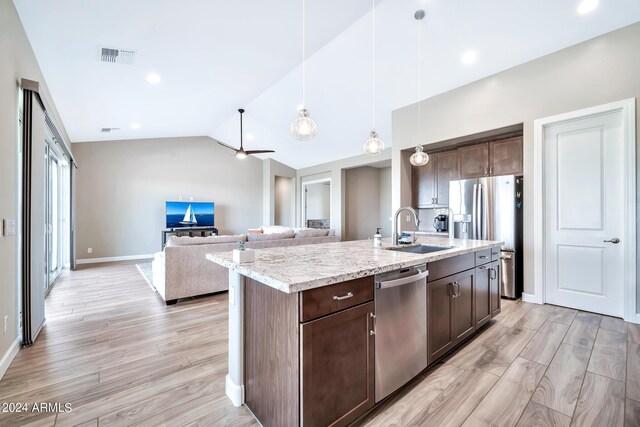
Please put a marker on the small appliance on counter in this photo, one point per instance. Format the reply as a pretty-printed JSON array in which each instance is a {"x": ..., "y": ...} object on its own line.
[{"x": 441, "y": 222}]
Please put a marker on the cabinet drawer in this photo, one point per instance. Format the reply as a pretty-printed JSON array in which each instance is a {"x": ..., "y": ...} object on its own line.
[
  {"x": 483, "y": 256},
  {"x": 331, "y": 298},
  {"x": 447, "y": 267},
  {"x": 495, "y": 253}
]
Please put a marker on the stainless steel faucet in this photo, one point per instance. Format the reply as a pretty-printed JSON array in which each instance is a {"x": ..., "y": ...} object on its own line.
[{"x": 395, "y": 235}]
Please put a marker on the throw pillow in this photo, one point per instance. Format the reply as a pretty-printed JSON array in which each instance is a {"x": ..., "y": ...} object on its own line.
[
  {"x": 272, "y": 236},
  {"x": 311, "y": 232},
  {"x": 270, "y": 229},
  {"x": 209, "y": 240}
]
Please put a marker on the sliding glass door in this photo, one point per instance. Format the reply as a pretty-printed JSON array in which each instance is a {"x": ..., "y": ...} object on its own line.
[{"x": 56, "y": 194}]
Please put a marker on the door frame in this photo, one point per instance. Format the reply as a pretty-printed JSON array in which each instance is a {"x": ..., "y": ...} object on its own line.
[{"x": 628, "y": 109}]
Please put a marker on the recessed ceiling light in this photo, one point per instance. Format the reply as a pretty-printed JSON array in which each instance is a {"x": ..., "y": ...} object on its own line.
[
  {"x": 153, "y": 78},
  {"x": 469, "y": 57},
  {"x": 135, "y": 125},
  {"x": 587, "y": 6}
]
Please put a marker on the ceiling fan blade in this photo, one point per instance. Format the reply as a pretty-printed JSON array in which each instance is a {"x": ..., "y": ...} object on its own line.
[
  {"x": 225, "y": 145},
  {"x": 259, "y": 151}
]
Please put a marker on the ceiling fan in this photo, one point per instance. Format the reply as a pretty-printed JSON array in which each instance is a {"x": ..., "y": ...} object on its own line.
[{"x": 241, "y": 153}]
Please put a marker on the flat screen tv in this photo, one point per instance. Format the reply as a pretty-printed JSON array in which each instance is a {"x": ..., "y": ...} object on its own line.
[{"x": 190, "y": 214}]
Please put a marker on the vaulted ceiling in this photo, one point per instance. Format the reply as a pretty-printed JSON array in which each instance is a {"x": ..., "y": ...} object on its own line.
[{"x": 213, "y": 56}]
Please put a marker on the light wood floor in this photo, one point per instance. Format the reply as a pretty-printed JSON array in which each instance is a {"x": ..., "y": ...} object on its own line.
[{"x": 120, "y": 357}]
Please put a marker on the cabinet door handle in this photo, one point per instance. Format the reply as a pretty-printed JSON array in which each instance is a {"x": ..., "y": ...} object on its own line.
[
  {"x": 495, "y": 253},
  {"x": 493, "y": 273},
  {"x": 490, "y": 171},
  {"x": 347, "y": 296},
  {"x": 482, "y": 256},
  {"x": 486, "y": 171},
  {"x": 483, "y": 267},
  {"x": 372, "y": 331},
  {"x": 436, "y": 201}
]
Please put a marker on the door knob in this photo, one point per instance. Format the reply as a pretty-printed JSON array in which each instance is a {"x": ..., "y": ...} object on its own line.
[{"x": 615, "y": 241}]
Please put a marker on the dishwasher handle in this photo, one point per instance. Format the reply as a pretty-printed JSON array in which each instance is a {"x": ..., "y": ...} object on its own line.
[{"x": 403, "y": 281}]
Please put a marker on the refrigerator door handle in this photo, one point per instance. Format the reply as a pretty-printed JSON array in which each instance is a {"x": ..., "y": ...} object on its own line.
[
  {"x": 483, "y": 213},
  {"x": 474, "y": 213}
]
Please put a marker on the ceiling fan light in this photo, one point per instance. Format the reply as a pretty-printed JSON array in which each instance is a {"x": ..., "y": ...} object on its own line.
[
  {"x": 241, "y": 155},
  {"x": 303, "y": 128},
  {"x": 373, "y": 145},
  {"x": 419, "y": 158}
]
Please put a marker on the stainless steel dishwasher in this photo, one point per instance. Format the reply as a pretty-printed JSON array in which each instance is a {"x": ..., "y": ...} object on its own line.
[{"x": 400, "y": 327}]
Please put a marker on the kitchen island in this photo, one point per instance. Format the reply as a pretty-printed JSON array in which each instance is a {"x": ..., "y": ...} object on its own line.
[{"x": 302, "y": 321}]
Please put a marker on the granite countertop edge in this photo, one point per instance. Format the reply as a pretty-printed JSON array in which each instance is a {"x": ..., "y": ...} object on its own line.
[{"x": 309, "y": 282}]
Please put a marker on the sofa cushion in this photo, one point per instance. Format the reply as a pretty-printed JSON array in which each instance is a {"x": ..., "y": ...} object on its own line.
[
  {"x": 271, "y": 229},
  {"x": 332, "y": 232},
  {"x": 255, "y": 231},
  {"x": 209, "y": 240},
  {"x": 311, "y": 232},
  {"x": 271, "y": 236}
]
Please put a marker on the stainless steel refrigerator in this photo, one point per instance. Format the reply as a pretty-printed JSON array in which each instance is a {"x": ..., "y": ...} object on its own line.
[{"x": 491, "y": 209}]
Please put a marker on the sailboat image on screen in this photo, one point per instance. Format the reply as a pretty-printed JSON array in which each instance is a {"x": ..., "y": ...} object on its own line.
[
  {"x": 189, "y": 217},
  {"x": 190, "y": 214}
]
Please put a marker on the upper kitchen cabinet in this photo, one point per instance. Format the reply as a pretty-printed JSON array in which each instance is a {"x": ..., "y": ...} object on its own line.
[
  {"x": 446, "y": 170},
  {"x": 431, "y": 181},
  {"x": 474, "y": 160},
  {"x": 424, "y": 184},
  {"x": 506, "y": 156}
]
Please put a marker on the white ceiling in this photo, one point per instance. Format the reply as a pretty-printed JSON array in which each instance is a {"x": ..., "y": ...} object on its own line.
[{"x": 216, "y": 56}]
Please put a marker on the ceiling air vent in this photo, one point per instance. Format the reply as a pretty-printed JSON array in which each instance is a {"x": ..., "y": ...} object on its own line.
[
  {"x": 108, "y": 130},
  {"x": 116, "y": 56}
]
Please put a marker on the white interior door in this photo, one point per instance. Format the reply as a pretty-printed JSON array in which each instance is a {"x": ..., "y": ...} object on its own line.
[{"x": 585, "y": 213}]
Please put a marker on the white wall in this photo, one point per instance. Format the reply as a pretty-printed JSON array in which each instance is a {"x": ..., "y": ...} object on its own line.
[
  {"x": 318, "y": 199},
  {"x": 18, "y": 61},
  {"x": 285, "y": 201},
  {"x": 602, "y": 70},
  {"x": 122, "y": 187},
  {"x": 270, "y": 169}
]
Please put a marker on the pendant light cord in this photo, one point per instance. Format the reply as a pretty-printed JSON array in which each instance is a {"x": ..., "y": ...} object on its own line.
[
  {"x": 419, "y": 82},
  {"x": 304, "y": 56},
  {"x": 373, "y": 64}
]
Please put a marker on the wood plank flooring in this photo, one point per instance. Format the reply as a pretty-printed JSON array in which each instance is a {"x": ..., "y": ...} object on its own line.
[
  {"x": 120, "y": 357},
  {"x": 542, "y": 365}
]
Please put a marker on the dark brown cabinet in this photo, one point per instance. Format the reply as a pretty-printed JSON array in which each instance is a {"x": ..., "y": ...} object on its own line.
[
  {"x": 446, "y": 170},
  {"x": 424, "y": 185},
  {"x": 451, "y": 312},
  {"x": 506, "y": 157},
  {"x": 494, "y": 288},
  {"x": 474, "y": 161},
  {"x": 337, "y": 353},
  {"x": 483, "y": 295},
  {"x": 431, "y": 181}
]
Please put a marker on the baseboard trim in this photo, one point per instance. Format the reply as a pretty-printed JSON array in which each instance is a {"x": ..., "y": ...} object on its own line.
[
  {"x": 113, "y": 259},
  {"x": 8, "y": 357},
  {"x": 234, "y": 392},
  {"x": 535, "y": 299}
]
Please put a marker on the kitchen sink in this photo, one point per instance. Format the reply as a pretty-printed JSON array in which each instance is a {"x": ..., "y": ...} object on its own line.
[{"x": 420, "y": 249}]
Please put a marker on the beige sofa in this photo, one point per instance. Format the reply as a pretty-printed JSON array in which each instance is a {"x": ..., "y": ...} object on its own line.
[{"x": 182, "y": 270}]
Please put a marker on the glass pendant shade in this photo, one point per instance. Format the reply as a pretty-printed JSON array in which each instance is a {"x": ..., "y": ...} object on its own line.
[
  {"x": 303, "y": 128},
  {"x": 419, "y": 158},
  {"x": 373, "y": 145}
]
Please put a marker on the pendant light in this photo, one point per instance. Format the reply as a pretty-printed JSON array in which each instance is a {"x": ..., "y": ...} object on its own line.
[
  {"x": 373, "y": 145},
  {"x": 303, "y": 128},
  {"x": 419, "y": 158}
]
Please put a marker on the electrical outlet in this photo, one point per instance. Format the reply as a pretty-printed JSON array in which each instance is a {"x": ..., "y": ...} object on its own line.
[
  {"x": 9, "y": 227},
  {"x": 89, "y": 250},
  {"x": 6, "y": 324}
]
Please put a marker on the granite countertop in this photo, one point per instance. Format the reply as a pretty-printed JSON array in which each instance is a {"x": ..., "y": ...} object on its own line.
[{"x": 298, "y": 268}]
